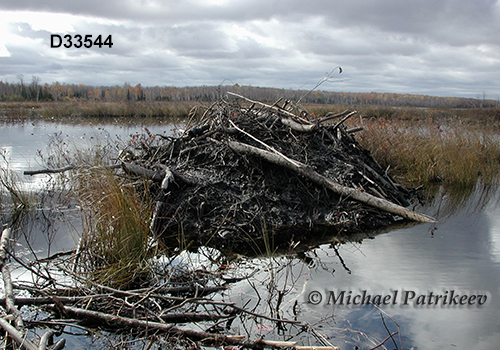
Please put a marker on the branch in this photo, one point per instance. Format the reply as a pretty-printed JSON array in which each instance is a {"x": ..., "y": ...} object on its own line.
[
  {"x": 9, "y": 294},
  {"x": 321, "y": 180},
  {"x": 275, "y": 108},
  {"x": 66, "y": 168},
  {"x": 118, "y": 321},
  {"x": 19, "y": 337}
]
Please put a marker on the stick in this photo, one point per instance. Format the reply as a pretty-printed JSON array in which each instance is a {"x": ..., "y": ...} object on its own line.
[
  {"x": 333, "y": 116},
  {"x": 274, "y": 151},
  {"x": 309, "y": 173},
  {"x": 287, "y": 113},
  {"x": 119, "y": 321},
  {"x": 344, "y": 119},
  {"x": 9, "y": 298},
  {"x": 51, "y": 171},
  {"x": 316, "y": 348},
  {"x": 157, "y": 176},
  {"x": 298, "y": 126},
  {"x": 17, "y": 335},
  {"x": 66, "y": 168},
  {"x": 9, "y": 294}
]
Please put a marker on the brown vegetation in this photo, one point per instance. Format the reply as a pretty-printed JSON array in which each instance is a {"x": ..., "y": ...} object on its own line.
[{"x": 457, "y": 152}]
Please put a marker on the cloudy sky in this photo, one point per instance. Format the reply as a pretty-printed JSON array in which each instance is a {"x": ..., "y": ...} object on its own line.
[{"x": 433, "y": 47}]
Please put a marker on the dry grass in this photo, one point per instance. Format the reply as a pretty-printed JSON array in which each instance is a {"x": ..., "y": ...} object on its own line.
[
  {"x": 85, "y": 109},
  {"x": 116, "y": 243},
  {"x": 453, "y": 153}
]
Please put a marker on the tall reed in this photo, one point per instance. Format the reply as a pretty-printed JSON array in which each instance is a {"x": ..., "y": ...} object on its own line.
[{"x": 116, "y": 243}]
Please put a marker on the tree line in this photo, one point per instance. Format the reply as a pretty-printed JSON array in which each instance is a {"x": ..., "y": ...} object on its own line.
[{"x": 34, "y": 90}]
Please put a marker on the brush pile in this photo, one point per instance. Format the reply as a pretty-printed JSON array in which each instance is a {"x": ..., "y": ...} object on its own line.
[{"x": 247, "y": 171}]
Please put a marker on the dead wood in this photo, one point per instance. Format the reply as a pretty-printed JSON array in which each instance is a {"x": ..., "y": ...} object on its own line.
[
  {"x": 130, "y": 323},
  {"x": 9, "y": 295},
  {"x": 18, "y": 336},
  {"x": 16, "y": 331},
  {"x": 64, "y": 169},
  {"x": 306, "y": 171}
]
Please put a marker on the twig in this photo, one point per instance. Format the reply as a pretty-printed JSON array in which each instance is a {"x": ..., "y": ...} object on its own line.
[
  {"x": 390, "y": 336},
  {"x": 324, "y": 79},
  {"x": 387, "y": 329}
]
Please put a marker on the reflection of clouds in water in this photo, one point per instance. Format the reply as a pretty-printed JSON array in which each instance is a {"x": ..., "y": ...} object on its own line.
[{"x": 458, "y": 256}]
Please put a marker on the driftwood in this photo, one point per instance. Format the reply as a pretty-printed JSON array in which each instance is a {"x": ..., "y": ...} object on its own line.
[{"x": 302, "y": 169}]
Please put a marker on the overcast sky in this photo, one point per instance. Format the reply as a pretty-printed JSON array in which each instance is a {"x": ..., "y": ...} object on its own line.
[{"x": 432, "y": 47}]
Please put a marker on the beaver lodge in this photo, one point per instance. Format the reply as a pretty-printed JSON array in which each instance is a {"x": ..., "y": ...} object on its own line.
[{"x": 248, "y": 172}]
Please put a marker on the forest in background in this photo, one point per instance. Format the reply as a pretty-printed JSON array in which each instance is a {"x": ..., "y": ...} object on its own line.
[{"x": 35, "y": 90}]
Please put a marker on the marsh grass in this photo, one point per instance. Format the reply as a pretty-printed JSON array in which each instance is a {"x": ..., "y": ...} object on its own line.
[
  {"x": 454, "y": 154},
  {"x": 91, "y": 109},
  {"x": 116, "y": 243}
]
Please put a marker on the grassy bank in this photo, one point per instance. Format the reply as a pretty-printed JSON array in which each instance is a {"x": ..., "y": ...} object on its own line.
[
  {"x": 457, "y": 153},
  {"x": 115, "y": 244},
  {"x": 77, "y": 109}
]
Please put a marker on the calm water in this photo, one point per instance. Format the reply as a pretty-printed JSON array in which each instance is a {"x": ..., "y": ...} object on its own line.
[{"x": 460, "y": 254}]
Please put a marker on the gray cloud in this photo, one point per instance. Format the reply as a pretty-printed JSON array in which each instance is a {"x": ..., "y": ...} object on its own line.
[{"x": 450, "y": 47}]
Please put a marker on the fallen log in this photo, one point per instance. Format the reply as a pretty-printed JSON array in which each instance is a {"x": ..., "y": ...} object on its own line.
[
  {"x": 131, "y": 323},
  {"x": 309, "y": 173}
]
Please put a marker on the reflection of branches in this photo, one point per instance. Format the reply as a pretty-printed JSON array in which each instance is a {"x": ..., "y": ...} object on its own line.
[
  {"x": 382, "y": 313},
  {"x": 334, "y": 246}
]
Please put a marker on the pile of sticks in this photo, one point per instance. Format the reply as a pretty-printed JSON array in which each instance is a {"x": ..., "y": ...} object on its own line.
[{"x": 247, "y": 168}]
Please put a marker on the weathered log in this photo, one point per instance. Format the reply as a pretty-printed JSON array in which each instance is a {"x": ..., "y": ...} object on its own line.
[
  {"x": 125, "y": 322},
  {"x": 309, "y": 173},
  {"x": 298, "y": 126},
  {"x": 134, "y": 169}
]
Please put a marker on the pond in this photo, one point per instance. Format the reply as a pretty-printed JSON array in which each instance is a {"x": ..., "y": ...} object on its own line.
[{"x": 437, "y": 285}]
